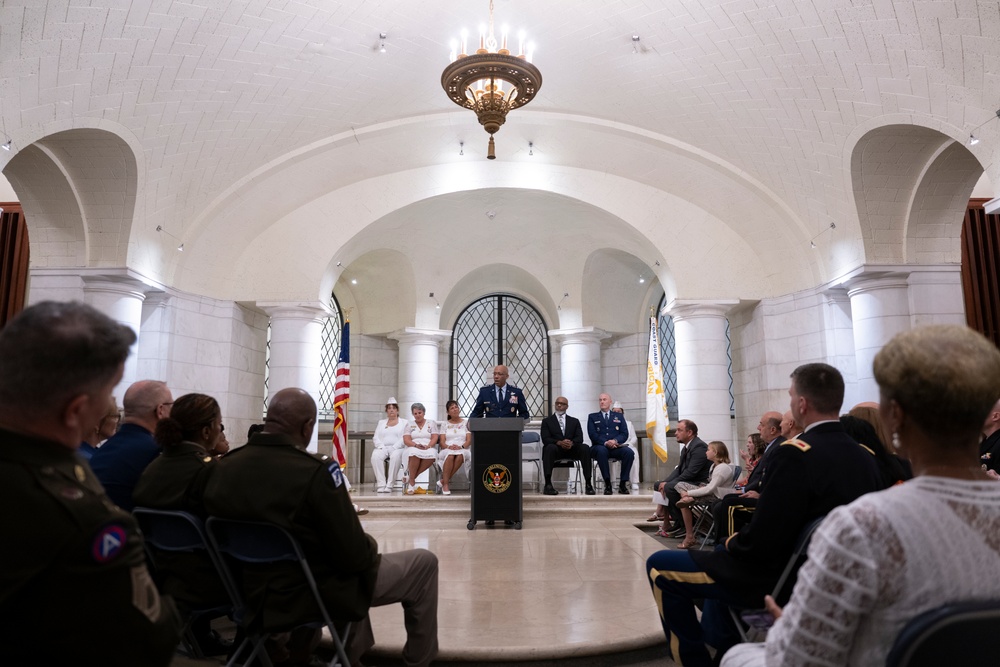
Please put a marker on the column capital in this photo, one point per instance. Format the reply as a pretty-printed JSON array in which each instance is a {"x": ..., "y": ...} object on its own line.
[
  {"x": 295, "y": 310},
  {"x": 893, "y": 281},
  {"x": 413, "y": 335},
  {"x": 115, "y": 284},
  {"x": 690, "y": 309},
  {"x": 578, "y": 335}
]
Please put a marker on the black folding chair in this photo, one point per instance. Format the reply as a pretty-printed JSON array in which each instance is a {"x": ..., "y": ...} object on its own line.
[
  {"x": 786, "y": 582},
  {"x": 958, "y": 633},
  {"x": 180, "y": 532},
  {"x": 257, "y": 542}
]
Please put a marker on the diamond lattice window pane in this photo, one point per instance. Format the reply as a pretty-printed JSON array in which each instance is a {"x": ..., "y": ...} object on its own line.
[
  {"x": 500, "y": 329},
  {"x": 329, "y": 353}
]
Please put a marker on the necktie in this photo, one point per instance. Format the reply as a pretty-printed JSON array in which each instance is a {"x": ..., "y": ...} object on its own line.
[
  {"x": 562, "y": 425},
  {"x": 499, "y": 395}
]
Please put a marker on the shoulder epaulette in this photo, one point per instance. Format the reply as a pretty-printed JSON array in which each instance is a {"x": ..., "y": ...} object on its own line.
[
  {"x": 867, "y": 449},
  {"x": 795, "y": 442}
]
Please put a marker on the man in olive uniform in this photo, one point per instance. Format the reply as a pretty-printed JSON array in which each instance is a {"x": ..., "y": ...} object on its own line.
[
  {"x": 274, "y": 479},
  {"x": 806, "y": 478},
  {"x": 74, "y": 588}
]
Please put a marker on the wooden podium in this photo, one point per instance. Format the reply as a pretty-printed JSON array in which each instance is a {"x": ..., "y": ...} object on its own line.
[{"x": 496, "y": 471}]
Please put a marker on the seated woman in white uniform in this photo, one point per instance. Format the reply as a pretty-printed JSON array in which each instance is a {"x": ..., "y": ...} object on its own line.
[
  {"x": 420, "y": 437},
  {"x": 455, "y": 441},
  {"x": 389, "y": 445}
]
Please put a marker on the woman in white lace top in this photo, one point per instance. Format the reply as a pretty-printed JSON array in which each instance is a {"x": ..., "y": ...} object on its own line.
[{"x": 889, "y": 556}]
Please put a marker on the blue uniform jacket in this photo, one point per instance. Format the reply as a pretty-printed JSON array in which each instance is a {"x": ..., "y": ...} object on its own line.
[
  {"x": 513, "y": 404},
  {"x": 600, "y": 432}
]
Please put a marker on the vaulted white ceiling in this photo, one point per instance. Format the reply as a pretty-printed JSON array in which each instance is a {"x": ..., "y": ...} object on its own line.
[{"x": 275, "y": 140}]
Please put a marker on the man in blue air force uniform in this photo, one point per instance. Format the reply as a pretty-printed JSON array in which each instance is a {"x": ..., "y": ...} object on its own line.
[
  {"x": 608, "y": 435},
  {"x": 500, "y": 399}
]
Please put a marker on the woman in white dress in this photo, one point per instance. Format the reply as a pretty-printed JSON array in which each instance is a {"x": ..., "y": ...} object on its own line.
[
  {"x": 420, "y": 437},
  {"x": 455, "y": 441},
  {"x": 889, "y": 556},
  {"x": 389, "y": 445},
  {"x": 720, "y": 482}
]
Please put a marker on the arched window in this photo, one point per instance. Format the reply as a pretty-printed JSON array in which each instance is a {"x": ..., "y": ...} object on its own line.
[
  {"x": 333, "y": 328},
  {"x": 329, "y": 352},
  {"x": 668, "y": 353},
  {"x": 501, "y": 329}
]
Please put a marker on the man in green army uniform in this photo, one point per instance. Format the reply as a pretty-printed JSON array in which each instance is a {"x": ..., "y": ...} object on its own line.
[
  {"x": 74, "y": 587},
  {"x": 274, "y": 479}
]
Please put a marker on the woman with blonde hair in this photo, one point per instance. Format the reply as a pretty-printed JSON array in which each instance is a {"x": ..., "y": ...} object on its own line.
[
  {"x": 105, "y": 428},
  {"x": 720, "y": 482},
  {"x": 891, "y": 555}
]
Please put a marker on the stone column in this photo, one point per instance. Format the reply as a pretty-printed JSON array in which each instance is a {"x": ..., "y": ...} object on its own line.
[
  {"x": 580, "y": 369},
  {"x": 703, "y": 366},
  {"x": 121, "y": 300},
  {"x": 880, "y": 309},
  {"x": 418, "y": 368},
  {"x": 296, "y": 349}
]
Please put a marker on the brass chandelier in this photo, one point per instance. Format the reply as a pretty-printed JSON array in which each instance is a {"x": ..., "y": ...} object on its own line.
[{"x": 491, "y": 81}]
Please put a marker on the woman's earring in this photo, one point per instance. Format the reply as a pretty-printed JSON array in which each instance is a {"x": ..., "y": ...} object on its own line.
[{"x": 895, "y": 440}]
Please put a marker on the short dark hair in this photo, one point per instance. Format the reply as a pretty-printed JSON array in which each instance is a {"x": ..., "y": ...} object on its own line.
[
  {"x": 53, "y": 351},
  {"x": 691, "y": 426},
  {"x": 450, "y": 403},
  {"x": 821, "y": 384},
  {"x": 189, "y": 414},
  {"x": 254, "y": 430}
]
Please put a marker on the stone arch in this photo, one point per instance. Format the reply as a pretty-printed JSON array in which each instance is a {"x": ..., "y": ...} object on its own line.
[
  {"x": 483, "y": 280},
  {"x": 382, "y": 299},
  {"x": 78, "y": 189},
  {"x": 934, "y": 228},
  {"x": 613, "y": 297},
  {"x": 893, "y": 171}
]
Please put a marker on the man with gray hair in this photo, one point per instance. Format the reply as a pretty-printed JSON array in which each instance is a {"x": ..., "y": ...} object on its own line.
[
  {"x": 120, "y": 461},
  {"x": 67, "y": 549}
]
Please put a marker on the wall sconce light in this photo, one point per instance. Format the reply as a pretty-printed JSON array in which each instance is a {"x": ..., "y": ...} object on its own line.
[
  {"x": 973, "y": 139},
  {"x": 160, "y": 229},
  {"x": 812, "y": 241},
  {"x": 437, "y": 304},
  {"x": 565, "y": 296}
]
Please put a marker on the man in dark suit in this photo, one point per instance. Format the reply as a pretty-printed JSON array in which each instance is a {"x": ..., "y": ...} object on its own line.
[
  {"x": 608, "y": 435},
  {"x": 806, "y": 478},
  {"x": 500, "y": 399},
  {"x": 562, "y": 438},
  {"x": 120, "y": 461},
  {"x": 693, "y": 467},
  {"x": 734, "y": 511}
]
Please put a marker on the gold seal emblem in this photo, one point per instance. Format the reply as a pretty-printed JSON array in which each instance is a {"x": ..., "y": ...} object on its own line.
[{"x": 496, "y": 479}]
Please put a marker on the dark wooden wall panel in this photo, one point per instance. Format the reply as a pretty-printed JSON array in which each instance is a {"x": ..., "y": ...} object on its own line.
[
  {"x": 981, "y": 270},
  {"x": 13, "y": 261}
]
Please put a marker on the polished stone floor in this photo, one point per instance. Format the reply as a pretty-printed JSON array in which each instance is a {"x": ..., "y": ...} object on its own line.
[
  {"x": 569, "y": 584},
  {"x": 566, "y": 589}
]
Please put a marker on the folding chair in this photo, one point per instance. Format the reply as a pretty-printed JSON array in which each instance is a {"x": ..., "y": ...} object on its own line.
[
  {"x": 180, "y": 532},
  {"x": 578, "y": 470},
  {"x": 531, "y": 452},
  {"x": 702, "y": 511},
  {"x": 256, "y": 542},
  {"x": 958, "y": 633},
  {"x": 786, "y": 582}
]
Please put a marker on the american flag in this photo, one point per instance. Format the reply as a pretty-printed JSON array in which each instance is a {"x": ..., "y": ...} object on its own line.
[{"x": 342, "y": 396}]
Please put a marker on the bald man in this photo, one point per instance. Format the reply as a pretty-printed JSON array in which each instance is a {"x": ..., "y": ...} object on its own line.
[
  {"x": 500, "y": 399},
  {"x": 274, "y": 479},
  {"x": 120, "y": 461}
]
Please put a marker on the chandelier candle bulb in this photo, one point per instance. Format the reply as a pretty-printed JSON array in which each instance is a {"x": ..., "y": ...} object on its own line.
[{"x": 491, "y": 82}]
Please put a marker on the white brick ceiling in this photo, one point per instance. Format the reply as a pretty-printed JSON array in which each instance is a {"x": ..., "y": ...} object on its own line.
[{"x": 748, "y": 109}]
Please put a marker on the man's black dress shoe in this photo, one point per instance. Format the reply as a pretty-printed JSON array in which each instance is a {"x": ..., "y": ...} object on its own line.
[
  {"x": 607, "y": 489},
  {"x": 590, "y": 490},
  {"x": 550, "y": 490},
  {"x": 623, "y": 489}
]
